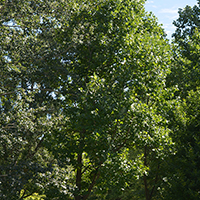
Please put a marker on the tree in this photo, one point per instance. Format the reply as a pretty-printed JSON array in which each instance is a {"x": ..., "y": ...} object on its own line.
[
  {"x": 183, "y": 166},
  {"x": 97, "y": 70},
  {"x": 21, "y": 135},
  {"x": 109, "y": 72},
  {"x": 186, "y": 50},
  {"x": 24, "y": 120}
]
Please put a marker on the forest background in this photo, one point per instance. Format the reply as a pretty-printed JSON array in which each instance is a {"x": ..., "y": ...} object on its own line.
[
  {"x": 167, "y": 12},
  {"x": 96, "y": 103}
]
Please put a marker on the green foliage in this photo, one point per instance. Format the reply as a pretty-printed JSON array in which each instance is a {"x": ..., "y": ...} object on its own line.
[
  {"x": 34, "y": 196},
  {"x": 183, "y": 167},
  {"x": 186, "y": 50},
  {"x": 83, "y": 100},
  {"x": 21, "y": 136}
]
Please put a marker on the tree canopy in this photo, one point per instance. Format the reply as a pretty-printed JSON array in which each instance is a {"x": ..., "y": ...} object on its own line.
[{"x": 91, "y": 104}]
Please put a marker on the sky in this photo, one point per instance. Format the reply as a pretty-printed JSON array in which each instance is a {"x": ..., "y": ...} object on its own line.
[{"x": 167, "y": 11}]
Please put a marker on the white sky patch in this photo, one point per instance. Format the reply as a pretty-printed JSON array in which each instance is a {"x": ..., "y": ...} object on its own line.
[
  {"x": 167, "y": 26},
  {"x": 150, "y": 2},
  {"x": 174, "y": 17},
  {"x": 169, "y": 11}
]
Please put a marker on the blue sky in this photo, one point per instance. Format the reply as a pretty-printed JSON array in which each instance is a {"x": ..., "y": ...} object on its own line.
[{"x": 167, "y": 11}]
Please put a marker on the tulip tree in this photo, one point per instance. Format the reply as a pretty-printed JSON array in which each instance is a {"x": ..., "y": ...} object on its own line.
[
  {"x": 118, "y": 58},
  {"x": 95, "y": 71}
]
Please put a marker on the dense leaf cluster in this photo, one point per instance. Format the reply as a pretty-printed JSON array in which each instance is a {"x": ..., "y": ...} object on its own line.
[{"x": 95, "y": 103}]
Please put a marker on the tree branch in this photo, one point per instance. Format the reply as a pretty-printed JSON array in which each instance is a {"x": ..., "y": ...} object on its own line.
[
  {"x": 156, "y": 180},
  {"x": 95, "y": 177},
  {"x": 145, "y": 177},
  {"x": 36, "y": 148},
  {"x": 122, "y": 145}
]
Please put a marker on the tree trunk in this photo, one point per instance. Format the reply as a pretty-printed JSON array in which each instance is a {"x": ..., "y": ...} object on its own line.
[
  {"x": 78, "y": 176},
  {"x": 145, "y": 176},
  {"x": 95, "y": 177}
]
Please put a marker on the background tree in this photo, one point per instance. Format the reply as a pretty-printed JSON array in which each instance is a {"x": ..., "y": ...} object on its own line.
[
  {"x": 21, "y": 136},
  {"x": 184, "y": 166},
  {"x": 186, "y": 50},
  {"x": 23, "y": 99}
]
